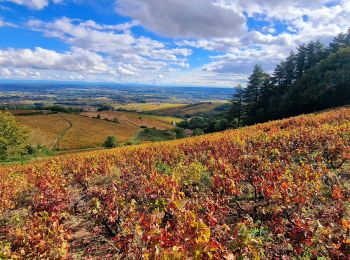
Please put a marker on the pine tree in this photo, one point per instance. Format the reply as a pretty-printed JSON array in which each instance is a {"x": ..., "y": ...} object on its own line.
[
  {"x": 253, "y": 91},
  {"x": 236, "y": 111},
  {"x": 289, "y": 68},
  {"x": 278, "y": 76},
  {"x": 300, "y": 60},
  {"x": 340, "y": 41},
  {"x": 314, "y": 52},
  {"x": 313, "y": 78}
]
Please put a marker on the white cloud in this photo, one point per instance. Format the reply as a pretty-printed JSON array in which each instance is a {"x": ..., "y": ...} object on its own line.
[
  {"x": 183, "y": 18},
  {"x": 6, "y": 24},
  {"x": 305, "y": 21},
  {"x": 131, "y": 56},
  {"x": 76, "y": 64},
  {"x": 33, "y": 4},
  {"x": 112, "y": 52},
  {"x": 107, "y": 38},
  {"x": 78, "y": 60}
]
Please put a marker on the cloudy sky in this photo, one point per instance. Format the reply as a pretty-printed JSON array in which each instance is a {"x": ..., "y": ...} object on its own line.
[{"x": 182, "y": 42}]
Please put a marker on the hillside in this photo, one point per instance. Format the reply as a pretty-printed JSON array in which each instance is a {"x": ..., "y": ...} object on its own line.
[
  {"x": 274, "y": 190},
  {"x": 66, "y": 131},
  {"x": 191, "y": 109},
  {"x": 150, "y": 121},
  {"x": 148, "y": 107}
]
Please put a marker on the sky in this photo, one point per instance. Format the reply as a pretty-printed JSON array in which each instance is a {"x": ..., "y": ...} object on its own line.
[{"x": 163, "y": 42}]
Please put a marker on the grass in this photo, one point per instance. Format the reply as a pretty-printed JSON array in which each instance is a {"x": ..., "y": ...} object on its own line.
[{"x": 38, "y": 153}]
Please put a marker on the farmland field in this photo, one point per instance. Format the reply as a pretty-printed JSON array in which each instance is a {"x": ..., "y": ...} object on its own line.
[
  {"x": 69, "y": 132},
  {"x": 150, "y": 121},
  {"x": 191, "y": 109},
  {"x": 44, "y": 129},
  {"x": 146, "y": 107},
  {"x": 277, "y": 190},
  {"x": 88, "y": 132}
]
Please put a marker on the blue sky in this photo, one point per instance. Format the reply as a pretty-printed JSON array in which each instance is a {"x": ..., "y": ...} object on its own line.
[{"x": 173, "y": 42}]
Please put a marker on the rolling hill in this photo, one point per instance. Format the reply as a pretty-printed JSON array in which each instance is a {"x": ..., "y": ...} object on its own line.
[
  {"x": 175, "y": 110},
  {"x": 191, "y": 109},
  {"x": 149, "y": 121},
  {"x": 70, "y": 132},
  {"x": 273, "y": 190}
]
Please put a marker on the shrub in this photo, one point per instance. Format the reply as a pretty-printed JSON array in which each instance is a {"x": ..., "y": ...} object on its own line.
[
  {"x": 198, "y": 131},
  {"x": 111, "y": 142},
  {"x": 180, "y": 132}
]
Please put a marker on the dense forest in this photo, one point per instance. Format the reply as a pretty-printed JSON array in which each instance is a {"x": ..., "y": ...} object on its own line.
[{"x": 313, "y": 78}]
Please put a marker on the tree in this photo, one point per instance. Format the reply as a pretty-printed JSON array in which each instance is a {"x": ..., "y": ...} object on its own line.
[
  {"x": 313, "y": 78},
  {"x": 266, "y": 92},
  {"x": 300, "y": 60},
  {"x": 253, "y": 91},
  {"x": 180, "y": 132},
  {"x": 14, "y": 138},
  {"x": 315, "y": 52},
  {"x": 111, "y": 142},
  {"x": 197, "y": 132},
  {"x": 342, "y": 40},
  {"x": 236, "y": 110}
]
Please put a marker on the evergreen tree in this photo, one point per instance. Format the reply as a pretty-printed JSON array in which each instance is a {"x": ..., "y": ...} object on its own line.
[
  {"x": 252, "y": 93},
  {"x": 314, "y": 52},
  {"x": 300, "y": 60},
  {"x": 340, "y": 41},
  {"x": 235, "y": 113},
  {"x": 313, "y": 78},
  {"x": 266, "y": 92}
]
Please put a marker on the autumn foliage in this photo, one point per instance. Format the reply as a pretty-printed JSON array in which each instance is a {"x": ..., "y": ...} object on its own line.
[{"x": 274, "y": 190}]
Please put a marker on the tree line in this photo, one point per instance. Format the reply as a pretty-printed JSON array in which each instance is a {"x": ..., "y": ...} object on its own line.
[{"x": 312, "y": 78}]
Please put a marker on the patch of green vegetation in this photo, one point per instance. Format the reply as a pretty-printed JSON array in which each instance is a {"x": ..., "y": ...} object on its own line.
[
  {"x": 32, "y": 153},
  {"x": 209, "y": 123},
  {"x": 14, "y": 137},
  {"x": 111, "y": 142},
  {"x": 154, "y": 135}
]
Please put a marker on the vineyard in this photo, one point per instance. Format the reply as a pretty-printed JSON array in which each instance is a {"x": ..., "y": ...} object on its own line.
[
  {"x": 191, "y": 109},
  {"x": 68, "y": 132},
  {"x": 277, "y": 190},
  {"x": 150, "y": 121},
  {"x": 44, "y": 129},
  {"x": 147, "y": 107}
]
